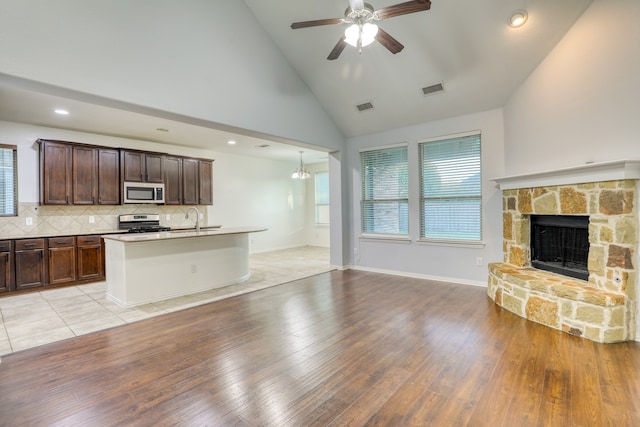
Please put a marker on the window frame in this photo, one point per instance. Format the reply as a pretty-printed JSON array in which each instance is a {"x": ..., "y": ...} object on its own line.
[
  {"x": 370, "y": 201},
  {"x": 14, "y": 170},
  {"x": 317, "y": 205},
  {"x": 447, "y": 240}
]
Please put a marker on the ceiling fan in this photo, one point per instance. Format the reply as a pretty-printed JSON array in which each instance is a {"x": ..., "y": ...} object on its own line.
[{"x": 361, "y": 31}]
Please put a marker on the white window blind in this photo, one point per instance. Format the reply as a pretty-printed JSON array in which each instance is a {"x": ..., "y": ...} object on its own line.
[
  {"x": 8, "y": 180},
  {"x": 322, "y": 198},
  {"x": 450, "y": 194},
  {"x": 384, "y": 180}
]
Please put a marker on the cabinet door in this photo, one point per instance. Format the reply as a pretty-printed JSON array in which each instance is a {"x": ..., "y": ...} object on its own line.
[
  {"x": 62, "y": 260},
  {"x": 132, "y": 166},
  {"x": 172, "y": 180},
  {"x": 55, "y": 173},
  {"x": 90, "y": 258},
  {"x": 30, "y": 263},
  {"x": 85, "y": 175},
  {"x": 154, "y": 164},
  {"x": 108, "y": 177},
  {"x": 190, "y": 191},
  {"x": 6, "y": 266},
  {"x": 205, "y": 183}
]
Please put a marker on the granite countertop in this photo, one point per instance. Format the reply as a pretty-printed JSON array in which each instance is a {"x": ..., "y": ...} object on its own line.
[
  {"x": 62, "y": 234},
  {"x": 181, "y": 234}
]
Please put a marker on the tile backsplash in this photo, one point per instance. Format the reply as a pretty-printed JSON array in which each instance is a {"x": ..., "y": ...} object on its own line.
[{"x": 62, "y": 220}]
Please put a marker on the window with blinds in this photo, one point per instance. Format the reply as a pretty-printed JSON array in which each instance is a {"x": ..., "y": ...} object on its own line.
[
  {"x": 384, "y": 181},
  {"x": 322, "y": 198},
  {"x": 8, "y": 180},
  {"x": 450, "y": 193}
]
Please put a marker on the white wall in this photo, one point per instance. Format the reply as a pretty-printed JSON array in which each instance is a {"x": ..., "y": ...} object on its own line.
[
  {"x": 246, "y": 190},
  {"x": 205, "y": 59},
  {"x": 253, "y": 191},
  {"x": 582, "y": 102},
  {"x": 452, "y": 263}
]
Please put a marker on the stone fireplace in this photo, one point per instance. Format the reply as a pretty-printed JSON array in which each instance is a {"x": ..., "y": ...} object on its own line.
[{"x": 603, "y": 307}]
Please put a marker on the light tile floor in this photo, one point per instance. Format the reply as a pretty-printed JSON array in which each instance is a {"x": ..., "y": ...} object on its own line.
[{"x": 38, "y": 318}]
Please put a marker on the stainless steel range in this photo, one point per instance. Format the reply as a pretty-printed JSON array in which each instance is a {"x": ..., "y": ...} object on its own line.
[{"x": 141, "y": 223}]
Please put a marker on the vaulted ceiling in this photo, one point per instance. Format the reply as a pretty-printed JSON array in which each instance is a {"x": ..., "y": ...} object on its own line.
[{"x": 465, "y": 45}]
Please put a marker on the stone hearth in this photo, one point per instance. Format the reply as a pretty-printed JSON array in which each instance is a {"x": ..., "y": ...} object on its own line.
[{"x": 602, "y": 309}]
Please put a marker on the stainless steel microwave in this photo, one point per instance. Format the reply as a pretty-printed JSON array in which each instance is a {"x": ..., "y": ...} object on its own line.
[{"x": 143, "y": 192}]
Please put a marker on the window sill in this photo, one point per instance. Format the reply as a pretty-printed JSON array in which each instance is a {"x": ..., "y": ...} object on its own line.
[
  {"x": 386, "y": 237},
  {"x": 452, "y": 243}
]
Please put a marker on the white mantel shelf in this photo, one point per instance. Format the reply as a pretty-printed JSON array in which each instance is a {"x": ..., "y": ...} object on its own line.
[{"x": 590, "y": 172}]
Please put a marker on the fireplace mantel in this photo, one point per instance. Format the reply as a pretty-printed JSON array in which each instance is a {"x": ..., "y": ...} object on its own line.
[{"x": 590, "y": 172}]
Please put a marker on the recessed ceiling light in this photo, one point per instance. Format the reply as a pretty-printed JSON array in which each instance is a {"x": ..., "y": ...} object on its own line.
[
  {"x": 162, "y": 130},
  {"x": 518, "y": 18},
  {"x": 61, "y": 111},
  {"x": 231, "y": 142}
]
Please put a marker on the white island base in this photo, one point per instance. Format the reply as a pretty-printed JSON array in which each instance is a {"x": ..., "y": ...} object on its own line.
[{"x": 151, "y": 267}]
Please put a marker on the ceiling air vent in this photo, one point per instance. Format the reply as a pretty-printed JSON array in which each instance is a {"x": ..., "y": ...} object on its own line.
[
  {"x": 428, "y": 90},
  {"x": 364, "y": 107}
]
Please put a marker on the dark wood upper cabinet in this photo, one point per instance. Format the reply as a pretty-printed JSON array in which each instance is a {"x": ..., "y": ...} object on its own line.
[
  {"x": 140, "y": 166},
  {"x": 78, "y": 174},
  {"x": 173, "y": 180},
  {"x": 85, "y": 175},
  {"x": 154, "y": 164},
  {"x": 205, "y": 171},
  {"x": 190, "y": 176},
  {"x": 108, "y": 176},
  {"x": 55, "y": 173}
]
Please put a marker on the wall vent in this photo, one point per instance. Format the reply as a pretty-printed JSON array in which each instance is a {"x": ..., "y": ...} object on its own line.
[
  {"x": 364, "y": 107},
  {"x": 263, "y": 146},
  {"x": 428, "y": 90}
]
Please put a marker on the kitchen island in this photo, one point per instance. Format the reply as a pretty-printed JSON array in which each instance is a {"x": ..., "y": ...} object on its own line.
[{"x": 150, "y": 267}]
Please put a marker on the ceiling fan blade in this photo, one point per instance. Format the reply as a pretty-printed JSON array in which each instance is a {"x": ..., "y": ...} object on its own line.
[
  {"x": 356, "y": 4},
  {"x": 403, "y": 8},
  {"x": 337, "y": 49},
  {"x": 306, "y": 24},
  {"x": 393, "y": 45}
]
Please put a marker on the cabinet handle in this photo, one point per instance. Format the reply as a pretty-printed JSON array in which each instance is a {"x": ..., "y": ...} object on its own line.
[{"x": 29, "y": 244}]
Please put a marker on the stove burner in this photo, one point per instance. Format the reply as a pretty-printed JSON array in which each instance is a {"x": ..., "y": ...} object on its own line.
[
  {"x": 148, "y": 229},
  {"x": 141, "y": 223}
]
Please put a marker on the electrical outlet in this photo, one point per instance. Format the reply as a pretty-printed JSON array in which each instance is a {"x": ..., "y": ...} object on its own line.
[
  {"x": 92, "y": 219},
  {"x": 479, "y": 261},
  {"x": 167, "y": 217},
  {"x": 193, "y": 268},
  {"x": 29, "y": 220},
  {"x": 355, "y": 251}
]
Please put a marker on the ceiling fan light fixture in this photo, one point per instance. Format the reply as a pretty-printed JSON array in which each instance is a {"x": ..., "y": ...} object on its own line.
[
  {"x": 518, "y": 18},
  {"x": 365, "y": 34}
]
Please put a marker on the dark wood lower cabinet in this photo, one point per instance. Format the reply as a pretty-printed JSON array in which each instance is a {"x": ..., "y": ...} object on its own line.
[
  {"x": 62, "y": 260},
  {"x": 6, "y": 266},
  {"x": 90, "y": 258},
  {"x": 35, "y": 263},
  {"x": 30, "y": 263}
]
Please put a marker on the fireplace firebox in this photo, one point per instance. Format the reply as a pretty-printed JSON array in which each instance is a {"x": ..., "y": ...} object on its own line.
[{"x": 560, "y": 244}]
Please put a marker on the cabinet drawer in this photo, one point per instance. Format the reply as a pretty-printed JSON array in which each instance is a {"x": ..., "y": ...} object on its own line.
[
  {"x": 5, "y": 246},
  {"x": 61, "y": 242},
  {"x": 88, "y": 240},
  {"x": 27, "y": 244}
]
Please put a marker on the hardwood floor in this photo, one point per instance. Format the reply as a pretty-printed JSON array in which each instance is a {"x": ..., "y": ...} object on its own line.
[{"x": 340, "y": 348}]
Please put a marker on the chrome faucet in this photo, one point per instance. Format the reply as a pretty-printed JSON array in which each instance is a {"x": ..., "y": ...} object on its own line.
[{"x": 186, "y": 216}]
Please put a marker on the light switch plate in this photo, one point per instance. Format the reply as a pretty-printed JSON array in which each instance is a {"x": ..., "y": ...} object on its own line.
[
  {"x": 29, "y": 220},
  {"x": 92, "y": 219}
]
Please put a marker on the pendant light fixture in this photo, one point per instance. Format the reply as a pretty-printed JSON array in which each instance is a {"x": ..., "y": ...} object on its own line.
[{"x": 300, "y": 172}]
